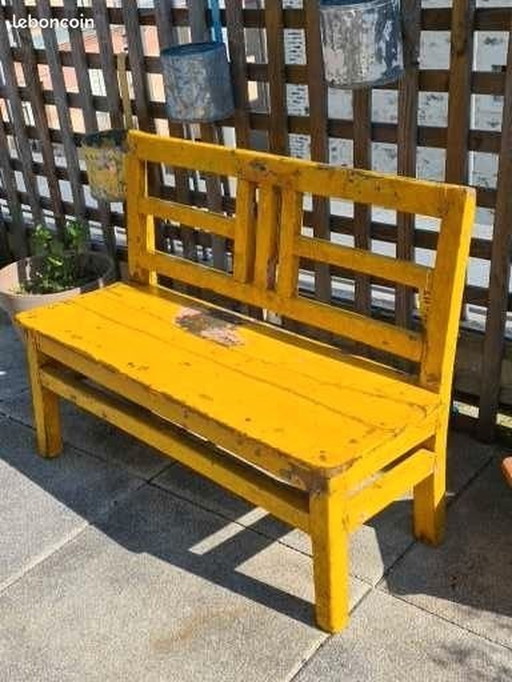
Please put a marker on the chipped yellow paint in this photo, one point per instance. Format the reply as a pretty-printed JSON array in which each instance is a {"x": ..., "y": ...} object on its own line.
[
  {"x": 345, "y": 436},
  {"x": 45, "y": 404}
]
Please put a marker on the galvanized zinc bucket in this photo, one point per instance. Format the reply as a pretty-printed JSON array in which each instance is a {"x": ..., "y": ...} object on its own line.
[
  {"x": 197, "y": 82},
  {"x": 361, "y": 41},
  {"x": 104, "y": 153}
]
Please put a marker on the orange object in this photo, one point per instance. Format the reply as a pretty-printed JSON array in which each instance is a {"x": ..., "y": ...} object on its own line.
[{"x": 506, "y": 465}]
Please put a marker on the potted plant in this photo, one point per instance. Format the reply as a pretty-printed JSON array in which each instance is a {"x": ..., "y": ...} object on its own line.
[{"x": 60, "y": 268}]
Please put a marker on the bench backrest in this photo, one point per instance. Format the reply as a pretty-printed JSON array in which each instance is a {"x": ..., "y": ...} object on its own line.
[{"x": 268, "y": 239}]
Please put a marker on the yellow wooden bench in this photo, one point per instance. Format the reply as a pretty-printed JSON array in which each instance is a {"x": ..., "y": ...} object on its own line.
[{"x": 320, "y": 438}]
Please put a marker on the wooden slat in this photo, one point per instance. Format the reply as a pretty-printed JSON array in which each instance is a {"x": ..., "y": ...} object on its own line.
[
  {"x": 499, "y": 278},
  {"x": 406, "y": 148},
  {"x": 447, "y": 289},
  {"x": 8, "y": 181},
  {"x": 362, "y": 261},
  {"x": 378, "y": 334},
  {"x": 5, "y": 251},
  {"x": 136, "y": 55},
  {"x": 414, "y": 196},
  {"x": 79, "y": 56},
  {"x": 290, "y": 227},
  {"x": 459, "y": 102},
  {"x": 245, "y": 235},
  {"x": 194, "y": 217},
  {"x": 17, "y": 119},
  {"x": 286, "y": 503},
  {"x": 140, "y": 232},
  {"x": 167, "y": 37},
  {"x": 108, "y": 64},
  {"x": 389, "y": 487},
  {"x": 318, "y": 113},
  {"x": 32, "y": 79},
  {"x": 66, "y": 126},
  {"x": 278, "y": 129},
  {"x": 209, "y": 133},
  {"x": 267, "y": 243},
  {"x": 362, "y": 114},
  {"x": 238, "y": 60}
]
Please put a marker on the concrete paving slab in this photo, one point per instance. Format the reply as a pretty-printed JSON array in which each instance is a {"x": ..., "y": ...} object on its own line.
[
  {"x": 467, "y": 580},
  {"x": 94, "y": 436},
  {"x": 46, "y": 502},
  {"x": 162, "y": 590},
  {"x": 374, "y": 547},
  {"x": 388, "y": 640},
  {"x": 13, "y": 376}
]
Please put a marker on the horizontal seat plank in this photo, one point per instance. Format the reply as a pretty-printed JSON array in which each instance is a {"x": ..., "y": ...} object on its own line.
[{"x": 316, "y": 410}]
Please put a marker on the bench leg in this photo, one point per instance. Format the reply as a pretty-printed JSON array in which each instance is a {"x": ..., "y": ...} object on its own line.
[
  {"x": 330, "y": 559},
  {"x": 45, "y": 405},
  {"x": 430, "y": 497}
]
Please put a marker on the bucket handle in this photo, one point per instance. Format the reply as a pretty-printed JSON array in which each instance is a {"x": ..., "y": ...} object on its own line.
[
  {"x": 125, "y": 92},
  {"x": 217, "y": 24}
]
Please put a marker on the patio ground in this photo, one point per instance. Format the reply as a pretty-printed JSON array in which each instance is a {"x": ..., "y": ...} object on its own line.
[{"x": 118, "y": 564}]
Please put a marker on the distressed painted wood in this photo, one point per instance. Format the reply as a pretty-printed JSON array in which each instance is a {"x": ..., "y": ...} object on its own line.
[
  {"x": 45, "y": 403},
  {"x": 323, "y": 440}
]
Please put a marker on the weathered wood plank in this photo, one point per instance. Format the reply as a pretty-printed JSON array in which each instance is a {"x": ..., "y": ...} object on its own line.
[
  {"x": 459, "y": 102},
  {"x": 278, "y": 126},
  {"x": 17, "y": 119},
  {"x": 17, "y": 237},
  {"x": 66, "y": 126},
  {"x": 108, "y": 63},
  {"x": 79, "y": 56},
  {"x": 238, "y": 59},
  {"x": 209, "y": 133},
  {"x": 362, "y": 114},
  {"x": 33, "y": 81},
  {"x": 167, "y": 37},
  {"x": 494, "y": 344},
  {"x": 318, "y": 112},
  {"x": 407, "y": 147}
]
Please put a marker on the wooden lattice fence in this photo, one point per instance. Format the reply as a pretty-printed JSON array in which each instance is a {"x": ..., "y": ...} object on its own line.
[{"x": 56, "y": 87}]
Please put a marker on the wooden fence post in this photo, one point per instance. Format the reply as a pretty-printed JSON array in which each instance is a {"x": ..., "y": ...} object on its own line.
[{"x": 497, "y": 305}]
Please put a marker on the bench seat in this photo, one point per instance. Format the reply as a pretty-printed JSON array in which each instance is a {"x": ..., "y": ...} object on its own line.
[{"x": 296, "y": 404}]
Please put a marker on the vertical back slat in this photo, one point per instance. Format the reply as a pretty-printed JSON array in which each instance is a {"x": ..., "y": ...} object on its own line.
[
  {"x": 291, "y": 225},
  {"x": 268, "y": 235},
  {"x": 245, "y": 232},
  {"x": 140, "y": 228}
]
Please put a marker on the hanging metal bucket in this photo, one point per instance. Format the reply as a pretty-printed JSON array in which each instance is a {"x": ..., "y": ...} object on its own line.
[
  {"x": 104, "y": 154},
  {"x": 197, "y": 82},
  {"x": 361, "y": 41}
]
